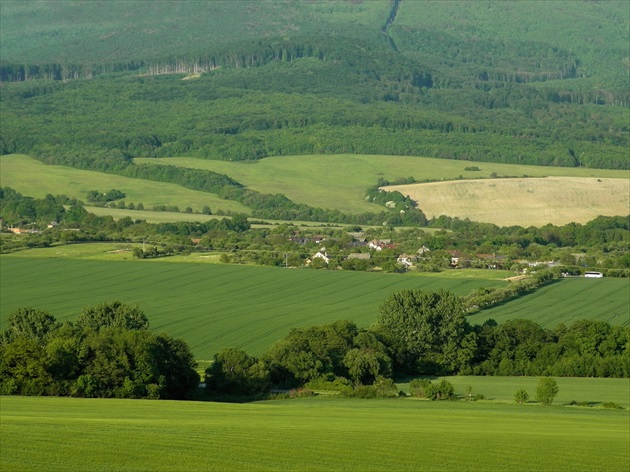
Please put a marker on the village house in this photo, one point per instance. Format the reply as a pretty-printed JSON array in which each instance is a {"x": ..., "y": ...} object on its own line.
[
  {"x": 406, "y": 260},
  {"x": 379, "y": 245}
]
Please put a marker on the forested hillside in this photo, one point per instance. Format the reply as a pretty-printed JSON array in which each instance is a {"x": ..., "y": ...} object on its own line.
[{"x": 543, "y": 83}]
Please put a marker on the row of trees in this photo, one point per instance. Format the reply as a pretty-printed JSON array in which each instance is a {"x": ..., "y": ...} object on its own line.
[
  {"x": 107, "y": 352},
  {"x": 422, "y": 333}
]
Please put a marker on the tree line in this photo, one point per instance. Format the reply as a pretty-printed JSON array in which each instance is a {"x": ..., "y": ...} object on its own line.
[{"x": 420, "y": 333}]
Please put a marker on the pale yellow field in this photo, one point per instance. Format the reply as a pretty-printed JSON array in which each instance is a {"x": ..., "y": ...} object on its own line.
[{"x": 523, "y": 202}]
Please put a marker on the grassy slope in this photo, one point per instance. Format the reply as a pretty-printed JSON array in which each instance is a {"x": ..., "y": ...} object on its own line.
[
  {"x": 337, "y": 181},
  {"x": 340, "y": 181},
  {"x": 502, "y": 389},
  {"x": 523, "y": 202},
  {"x": 33, "y": 178},
  {"x": 210, "y": 306},
  {"x": 567, "y": 301},
  {"x": 310, "y": 435}
]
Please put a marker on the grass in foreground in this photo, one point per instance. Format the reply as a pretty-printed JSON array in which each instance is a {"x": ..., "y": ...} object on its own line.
[{"x": 320, "y": 434}]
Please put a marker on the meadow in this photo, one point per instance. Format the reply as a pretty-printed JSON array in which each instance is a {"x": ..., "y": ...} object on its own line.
[
  {"x": 210, "y": 306},
  {"x": 339, "y": 181},
  {"x": 315, "y": 434},
  {"x": 35, "y": 179}
]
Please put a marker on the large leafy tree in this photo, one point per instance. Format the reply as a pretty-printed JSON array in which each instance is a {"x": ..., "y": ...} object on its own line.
[
  {"x": 425, "y": 329},
  {"x": 113, "y": 314}
]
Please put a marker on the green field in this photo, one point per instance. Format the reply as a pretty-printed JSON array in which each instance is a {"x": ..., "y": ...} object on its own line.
[
  {"x": 595, "y": 391},
  {"x": 566, "y": 301},
  {"x": 333, "y": 182},
  {"x": 320, "y": 434},
  {"x": 210, "y": 306},
  {"x": 35, "y": 179},
  {"x": 339, "y": 181}
]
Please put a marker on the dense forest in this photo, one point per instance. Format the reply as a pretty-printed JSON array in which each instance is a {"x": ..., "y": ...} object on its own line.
[{"x": 393, "y": 89}]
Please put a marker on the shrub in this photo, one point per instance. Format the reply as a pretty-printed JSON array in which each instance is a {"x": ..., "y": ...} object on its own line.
[
  {"x": 443, "y": 390},
  {"x": 417, "y": 387},
  {"x": 521, "y": 396},
  {"x": 611, "y": 405}
]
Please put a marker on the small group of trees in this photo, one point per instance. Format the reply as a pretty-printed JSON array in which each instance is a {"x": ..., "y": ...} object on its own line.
[
  {"x": 546, "y": 390},
  {"x": 94, "y": 196},
  {"x": 107, "y": 352}
]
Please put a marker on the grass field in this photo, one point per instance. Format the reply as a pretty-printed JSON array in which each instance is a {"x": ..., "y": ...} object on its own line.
[
  {"x": 570, "y": 299},
  {"x": 210, "y": 306},
  {"x": 340, "y": 181},
  {"x": 523, "y": 202},
  {"x": 319, "y": 434},
  {"x": 35, "y": 179},
  {"x": 502, "y": 389}
]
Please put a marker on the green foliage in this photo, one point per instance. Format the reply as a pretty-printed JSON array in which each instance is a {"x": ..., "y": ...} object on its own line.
[
  {"x": 417, "y": 387},
  {"x": 426, "y": 329},
  {"x": 443, "y": 390},
  {"x": 546, "y": 390},
  {"x": 106, "y": 354},
  {"x": 29, "y": 323},
  {"x": 521, "y": 396},
  {"x": 234, "y": 372},
  {"x": 112, "y": 314}
]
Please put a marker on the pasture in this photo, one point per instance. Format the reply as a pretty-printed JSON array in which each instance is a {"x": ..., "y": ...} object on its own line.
[
  {"x": 339, "y": 181},
  {"x": 523, "y": 202},
  {"x": 566, "y": 301},
  {"x": 210, "y": 306},
  {"x": 316, "y": 434},
  {"x": 35, "y": 179}
]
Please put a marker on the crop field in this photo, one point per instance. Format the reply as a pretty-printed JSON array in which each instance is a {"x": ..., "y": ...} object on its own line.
[
  {"x": 339, "y": 181},
  {"x": 606, "y": 299},
  {"x": 35, "y": 179},
  {"x": 523, "y": 202},
  {"x": 331, "y": 434},
  {"x": 210, "y": 306}
]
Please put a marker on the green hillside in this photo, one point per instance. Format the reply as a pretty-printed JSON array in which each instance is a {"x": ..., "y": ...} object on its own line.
[{"x": 482, "y": 81}]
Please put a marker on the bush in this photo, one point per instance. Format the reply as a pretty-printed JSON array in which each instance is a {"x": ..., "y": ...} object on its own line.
[
  {"x": 443, "y": 390},
  {"x": 521, "y": 396},
  {"x": 417, "y": 387},
  {"x": 611, "y": 405}
]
